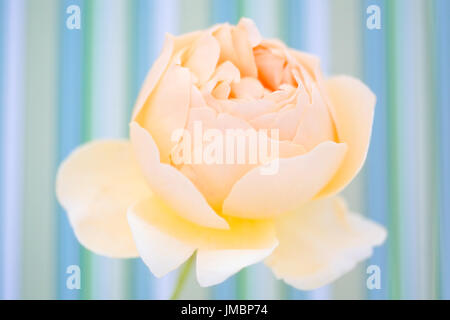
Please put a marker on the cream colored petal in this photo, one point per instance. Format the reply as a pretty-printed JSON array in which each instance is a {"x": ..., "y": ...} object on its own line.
[
  {"x": 226, "y": 72},
  {"x": 244, "y": 52},
  {"x": 236, "y": 45},
  {"x": 320, "y": 242},
  {"x": 286, "y": 120},
  {"x": 95, "y": 185},
  {"x": 197, "y": 100},
  {"x": 316, "y": 124},
  {"x": 203, "y": 57},
  {"x": 161, "y": 252},
  {"x": 172, "y": 50},
  {"x": 247, "y": 88},
  {"x": 270, "y": 68},
  {"x": 254, "y": 36},
  {"x": 242, "y": 108},
  {"x": 155, "y": 73},
  {"x": 167, "y": 108},
  {"x": 165, "y": 240},
  {"x": 297, "y": 180},
  {"x": 353, "y": 105},
  {"x": 221, "y": 91},
  {"x": 215, "y": 176},
  {"x": 215, "y": 179},
  {"x": 215, "y": 266},
  {"x": 223, "y": 36},
  {"x": 170, "y": 184}
]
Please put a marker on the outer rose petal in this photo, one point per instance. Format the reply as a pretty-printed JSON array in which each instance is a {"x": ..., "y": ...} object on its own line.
[
  {"x": 155, "y": 73},
  {"x": 170, "y": 184},
  {"x": 353, "y": 107},
  {"x": 167, "y": 108},
  {"x": 320, "y": 242},
  {"x": 96, "y": 185},
  {"x": 298, "y": 179},
  {"x": 161, "y": 252},
  {"x": 215, "y": 266},
  {"x": 165, "y": 240},
  {"x": 171, "y": 45}
]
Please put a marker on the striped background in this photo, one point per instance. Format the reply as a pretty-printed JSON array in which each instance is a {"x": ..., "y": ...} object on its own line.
[{"x": 60, "y": 88}]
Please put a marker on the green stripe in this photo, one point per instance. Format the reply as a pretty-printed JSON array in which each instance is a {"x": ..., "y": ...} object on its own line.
[
  {"x": 130, "y": 62},
  {"x": 87, "y": 21},
  {"x": 433, "y": 149},
  {"x": 194, "y": 15},
  {"x": 393, "y": 244},
  {"x": 39, "y": 220}
]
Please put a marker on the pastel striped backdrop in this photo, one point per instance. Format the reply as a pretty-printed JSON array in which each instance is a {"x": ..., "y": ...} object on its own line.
[{"x": 60, "y": 88}]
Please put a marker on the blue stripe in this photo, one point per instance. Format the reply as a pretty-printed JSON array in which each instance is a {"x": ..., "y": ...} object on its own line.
[
  {"x": 2, "y": 111},
  {"x": 295, "y": 24},
  {"x": 375, "y": 73},
  {"x": 225, "y": 11},
  {"x": 70, "y": 129},
  {"x": 13, "y": 128},
  {"x": 443, "y": 99}
]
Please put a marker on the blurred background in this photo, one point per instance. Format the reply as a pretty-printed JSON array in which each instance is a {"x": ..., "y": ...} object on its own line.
[{"x": 62, "y": 87}]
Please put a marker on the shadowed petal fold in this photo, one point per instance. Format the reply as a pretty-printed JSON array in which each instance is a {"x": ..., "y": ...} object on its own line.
[
  {"x": 297, "y": 181},
  {"x": 352, "y": 105}
]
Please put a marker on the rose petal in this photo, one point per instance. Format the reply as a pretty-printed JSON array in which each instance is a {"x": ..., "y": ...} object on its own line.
[
  {"x": 254, "y": 37},
  {"x": 236, "y": 45},
  {"x": 215, "y": 177},
  {"x": 203, "y": 57},
  {"x": 96, "y": 184},
  {"x": 221, "y": 91},
  {"x": 215, "y": 180},
  {"x": 316, "y": 124},
  {"x": 155, "y": 74},
  {"x": 161, "y": 252},
  {"x": 153, "y": 223},
  {"x": 353, "y": 104},
  {"x": 247, "y": 88},
  {"x": 215, "y": 266},
  {"x": 320, "y": 242},
  {"x": 298, "y": 179},
  {"x": 270, "y": 68},
  {"x": 170, "y": 184},
  {"x": 242, "y": 108},
  {"x": 226, "y": 72},
  {"x": 197, "y": 100},
  {"x": 227, "y": 52},
  {"x": 244, "y": 52},
  {"x": 285, "y": 120},
  {"x": 167, "y": 108}
]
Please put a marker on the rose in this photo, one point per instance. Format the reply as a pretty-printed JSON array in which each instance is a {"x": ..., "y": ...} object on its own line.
[{"x": 231, "y": 214}]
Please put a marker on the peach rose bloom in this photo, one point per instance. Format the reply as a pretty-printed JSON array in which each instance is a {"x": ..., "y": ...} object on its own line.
[{"x": 128, "y": 198}]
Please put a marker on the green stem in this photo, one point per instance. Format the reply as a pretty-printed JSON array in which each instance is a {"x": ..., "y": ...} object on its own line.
[{"x": 182, "y": 277}]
